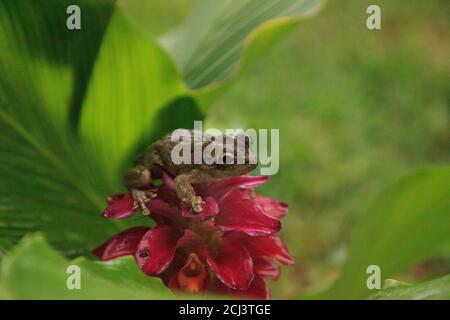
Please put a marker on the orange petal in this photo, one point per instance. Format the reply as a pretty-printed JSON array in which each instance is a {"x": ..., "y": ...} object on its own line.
[{"x": 192, "y": 276}]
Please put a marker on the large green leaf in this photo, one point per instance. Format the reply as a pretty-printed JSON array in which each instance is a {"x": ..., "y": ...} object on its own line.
[
  {"x": 156, "y": 17},
  {"x": 43, "y": 65},
  {"x": 47, "y": 181},
  {"x": 408, "y": 223},
  {"x": 437, "y": 289},
  {"x": 33, "y": 270},
  {"x": 209, "y": 45}
]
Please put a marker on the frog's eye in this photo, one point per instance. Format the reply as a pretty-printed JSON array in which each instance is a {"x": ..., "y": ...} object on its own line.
[{"x": 228, "y": 158}]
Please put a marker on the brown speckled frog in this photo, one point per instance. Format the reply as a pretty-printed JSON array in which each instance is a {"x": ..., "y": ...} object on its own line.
[{"x": 221, "y": 164}]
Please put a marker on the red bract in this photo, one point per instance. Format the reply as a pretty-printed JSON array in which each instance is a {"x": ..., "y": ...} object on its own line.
[{"x": 229, "y": 247}]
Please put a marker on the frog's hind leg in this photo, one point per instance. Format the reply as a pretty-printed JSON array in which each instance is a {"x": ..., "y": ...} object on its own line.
[{"x": 135, "y": 179}]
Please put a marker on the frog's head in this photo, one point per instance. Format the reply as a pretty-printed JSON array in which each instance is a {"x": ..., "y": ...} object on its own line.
[{"x": 236, "y": 157}]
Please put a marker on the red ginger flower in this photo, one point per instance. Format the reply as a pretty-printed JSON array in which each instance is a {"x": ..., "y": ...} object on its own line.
[{"x": 229, "y": 247}]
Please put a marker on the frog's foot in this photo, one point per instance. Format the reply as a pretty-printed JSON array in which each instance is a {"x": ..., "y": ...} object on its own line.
[
  {"x": 197, "y": 204},
  {"x": 141, "y": 198}
]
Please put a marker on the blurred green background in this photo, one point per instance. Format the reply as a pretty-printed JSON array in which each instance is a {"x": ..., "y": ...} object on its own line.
[{"x": 356, "y": 109}]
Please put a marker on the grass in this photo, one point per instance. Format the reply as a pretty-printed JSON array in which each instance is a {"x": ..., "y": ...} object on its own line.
[{"x": 356, "y": 110}]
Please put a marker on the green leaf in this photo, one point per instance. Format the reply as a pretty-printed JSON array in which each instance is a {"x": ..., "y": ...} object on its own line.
[
  {"x": 49, "y": 184},
  {"x": 437, "y": 289},
  {"x": 34, "y": 264},
  {"x": 208, "y": 46},
  {"x": 408, "y": 223},
  {"x": 44, "y": 66},
  {"x": 133, "y": 79},
  {"x": 156, "y": 17},
  {"x": 47, "y": 180}
]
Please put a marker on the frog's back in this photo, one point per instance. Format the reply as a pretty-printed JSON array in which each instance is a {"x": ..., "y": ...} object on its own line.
[{"x": 160, "y": 152}]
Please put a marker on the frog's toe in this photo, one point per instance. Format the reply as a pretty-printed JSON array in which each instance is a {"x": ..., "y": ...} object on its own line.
[
  {"x": 197, "y": 204},
  {"x": 145, "y": 211},
  {"x": 141, "y": 198},
  {"x": 150, "y": 194}
]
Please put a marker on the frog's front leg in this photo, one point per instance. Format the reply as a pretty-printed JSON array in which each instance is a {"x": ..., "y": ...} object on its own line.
[
  {"x": 136, "y": 178},
  {"x": 185, "y": 191}
]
